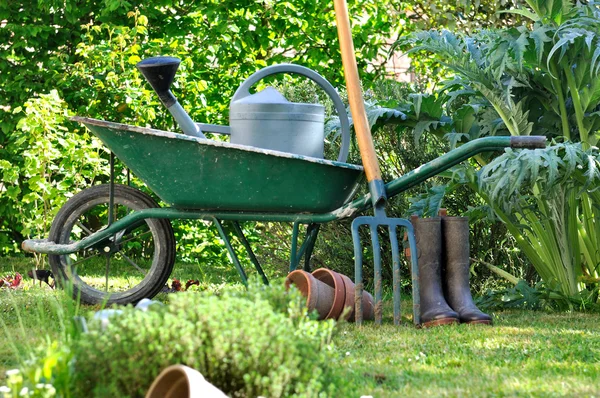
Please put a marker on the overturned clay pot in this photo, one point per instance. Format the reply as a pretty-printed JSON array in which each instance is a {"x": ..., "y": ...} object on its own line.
[
  {"x": 348, "y": 315},
  {"x": 368, "y": 306},
  {"x": 180, "y": 381},
  {"x": 335, "y": 281},
  {"x": 330, "y": 293},
  {"x": 367, "y": 301},
  {"x": 319, "y": 295}
]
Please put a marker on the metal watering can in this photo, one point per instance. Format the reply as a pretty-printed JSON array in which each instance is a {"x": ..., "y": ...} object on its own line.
[
  {"x": 264, "y": 120},
  {"x": 268, "y": 120}
]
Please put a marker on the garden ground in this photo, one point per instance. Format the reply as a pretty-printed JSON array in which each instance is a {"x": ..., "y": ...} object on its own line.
[{"x": 526, "y": 353}]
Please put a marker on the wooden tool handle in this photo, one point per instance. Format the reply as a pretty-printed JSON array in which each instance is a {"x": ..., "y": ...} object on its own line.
[{"x": 355, "y": 97}]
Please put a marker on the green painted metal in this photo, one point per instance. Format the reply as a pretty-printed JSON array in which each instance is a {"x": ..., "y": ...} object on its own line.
[
  {"x": 191, "y": 173},
  {"x": 312, "y": 230},
  {"x": 294, "y": 248},
  {"x": 392, "y": 224},
  {"x": 240, "y": 234},
  {"x": 346, "y": 211},
  {"x": 234, "y": 258},
  {"x": 454, "y": 157}
]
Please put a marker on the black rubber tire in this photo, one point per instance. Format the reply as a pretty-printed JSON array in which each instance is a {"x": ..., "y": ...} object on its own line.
[{"x": 159, "y": 230}]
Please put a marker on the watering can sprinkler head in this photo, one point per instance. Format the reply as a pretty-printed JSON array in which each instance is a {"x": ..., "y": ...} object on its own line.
[{"x": 160, "y": 72}]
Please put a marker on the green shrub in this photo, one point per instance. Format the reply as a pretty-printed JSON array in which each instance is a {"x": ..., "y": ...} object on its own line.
[{"x": 252, "y": 343}]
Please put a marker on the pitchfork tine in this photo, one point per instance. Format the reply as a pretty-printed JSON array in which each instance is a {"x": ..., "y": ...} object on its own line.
[
  {"x": 392, "y": 224},
  {"x": 395, "y": 273},
  {"x": 376, "y": 185},
  {"x": 377, "y": 269},
  {"x": 358, "y": 276}
]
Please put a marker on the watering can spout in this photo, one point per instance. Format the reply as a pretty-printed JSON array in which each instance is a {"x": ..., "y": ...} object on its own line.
[{"x": 160, "y": 72}]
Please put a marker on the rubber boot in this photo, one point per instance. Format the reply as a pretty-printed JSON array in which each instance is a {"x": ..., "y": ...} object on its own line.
[
  {"x": 434, "y": 308},
  {"x": 456, "y": 271}
]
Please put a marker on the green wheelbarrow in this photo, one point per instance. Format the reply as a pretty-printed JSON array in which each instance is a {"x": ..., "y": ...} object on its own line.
[{"x": 123, "y": 231}]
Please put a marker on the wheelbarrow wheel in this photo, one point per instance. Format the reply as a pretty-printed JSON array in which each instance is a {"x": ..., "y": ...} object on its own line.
[{"x": 133, "y": 264}]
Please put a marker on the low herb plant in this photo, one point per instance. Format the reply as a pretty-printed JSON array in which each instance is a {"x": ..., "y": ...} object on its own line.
[{"x": 256, "y": 343}]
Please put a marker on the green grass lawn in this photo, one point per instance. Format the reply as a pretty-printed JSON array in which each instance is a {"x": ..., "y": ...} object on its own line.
[{"x": 525, "y": 353}]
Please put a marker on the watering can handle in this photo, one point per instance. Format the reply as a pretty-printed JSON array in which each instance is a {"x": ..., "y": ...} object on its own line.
[
  {"x": 243, "y": 91},
  {"x": 357, "y": 105}
]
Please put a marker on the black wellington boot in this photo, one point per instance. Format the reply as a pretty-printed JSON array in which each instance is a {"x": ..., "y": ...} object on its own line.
[
  {"x": 434, "y": 308},
  {"x": 456, "y": 271}
]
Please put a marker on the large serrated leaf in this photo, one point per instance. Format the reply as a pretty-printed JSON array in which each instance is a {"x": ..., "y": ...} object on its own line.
[{"x": 540, "y": 38}]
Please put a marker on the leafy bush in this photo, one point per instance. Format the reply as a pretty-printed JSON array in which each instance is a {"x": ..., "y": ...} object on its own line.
[
  {"x": 252, "y": 343},
  {"x": 537, "y": 297},
  {"x": 540, "y": 78},
  {"x": 44, "y": 164},
  {"x": 88, "y": 52}
]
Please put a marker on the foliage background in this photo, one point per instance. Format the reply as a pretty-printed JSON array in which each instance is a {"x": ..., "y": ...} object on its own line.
[
  {"x": 60, "y": 58},
  {"x": 87, "y": 51}
]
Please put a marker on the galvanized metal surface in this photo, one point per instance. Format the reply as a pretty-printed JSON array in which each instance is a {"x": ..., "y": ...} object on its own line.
[
  {"x": 191, "y": 173},
  {"x": 214, "y": 128},
  {"x": 268, "y": 120},
  {"x": 259, "y": 120}
]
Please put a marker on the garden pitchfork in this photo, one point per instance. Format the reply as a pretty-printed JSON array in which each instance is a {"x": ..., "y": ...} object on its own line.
[{"x": 376, "y": 189}]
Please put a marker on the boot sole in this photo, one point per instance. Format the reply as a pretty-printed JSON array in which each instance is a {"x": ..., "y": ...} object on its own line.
[
  {"x": 478, "y": 323},
  {"x": 440, "y": 322}
]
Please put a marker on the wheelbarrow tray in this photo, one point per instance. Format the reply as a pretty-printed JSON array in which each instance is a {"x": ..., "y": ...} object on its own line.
[{"x": 193, "y": 173}]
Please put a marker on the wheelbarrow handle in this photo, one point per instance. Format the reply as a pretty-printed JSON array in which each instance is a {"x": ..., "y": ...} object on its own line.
[{"x": 528, "y": 141}]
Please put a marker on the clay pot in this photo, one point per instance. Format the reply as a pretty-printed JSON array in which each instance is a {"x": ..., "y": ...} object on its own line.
[
  {"x": 348, "y": 297},
  {"x": 319, "y": 295},
  {"x": 179, "y": 381},
  {"x": 368, "y": 305},
  {"x": 334, "y": 280},
  {"x": 330, "y": 293}
]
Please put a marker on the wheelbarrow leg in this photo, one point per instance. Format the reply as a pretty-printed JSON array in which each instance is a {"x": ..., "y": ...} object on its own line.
[
  {"x": 240, "y": 234},
  {"x": 311, "y": 238},
  {"x": 294, "y": 248},
  {"x": 312, "y": 230},
  {"x": 234, "y": 257}
]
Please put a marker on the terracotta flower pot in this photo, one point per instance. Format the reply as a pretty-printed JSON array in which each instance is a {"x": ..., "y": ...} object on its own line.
[
  {"x": 319, "y": 295},
  {"x": 349, "y": 299},
  {"x": 179, "y": 381},
  {"x": 334, "y": 280},
  {"x": 368, "y": 305}
]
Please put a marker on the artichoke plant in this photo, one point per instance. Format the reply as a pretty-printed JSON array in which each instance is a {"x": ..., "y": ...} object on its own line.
[{"x": 541, "y": 78}]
